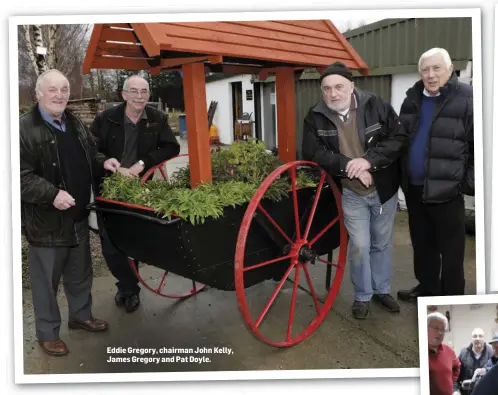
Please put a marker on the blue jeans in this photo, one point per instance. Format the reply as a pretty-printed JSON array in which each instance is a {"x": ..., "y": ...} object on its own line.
[{"x": 370, "y": 228}]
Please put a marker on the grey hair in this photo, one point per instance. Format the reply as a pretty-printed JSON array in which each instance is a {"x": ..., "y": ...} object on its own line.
[
  {"x": 437, "y": 316},
  {"x": 435, "y": 51},
  {"x": 125, "y": 83},
  {"x": 41, "y": 79}
]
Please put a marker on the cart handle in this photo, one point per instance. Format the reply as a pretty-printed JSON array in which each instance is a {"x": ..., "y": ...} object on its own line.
[{"x": 93, "y": 206}]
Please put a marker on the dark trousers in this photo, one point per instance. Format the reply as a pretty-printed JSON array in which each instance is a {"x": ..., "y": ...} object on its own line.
[
  {"x": 118, "y": 264},
  {"x": 438, "y": 238},
  {"x": 46, "y": 266}
]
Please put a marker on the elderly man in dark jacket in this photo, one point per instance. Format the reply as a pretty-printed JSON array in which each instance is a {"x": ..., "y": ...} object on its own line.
[
  {"x": 437, "y": 169},
  {"x": 57, "y": 160},
  {"x": 139, "y": 137},
  {"x": 357, "y": 138}
]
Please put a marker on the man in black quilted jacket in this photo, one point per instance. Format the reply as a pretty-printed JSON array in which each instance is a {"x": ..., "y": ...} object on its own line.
[{"x": 437, "y": 170}]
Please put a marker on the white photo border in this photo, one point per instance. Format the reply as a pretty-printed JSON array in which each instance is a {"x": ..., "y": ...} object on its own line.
[
  {"x": 21, "y": 378},
  {"x": 493, "y": 266}
]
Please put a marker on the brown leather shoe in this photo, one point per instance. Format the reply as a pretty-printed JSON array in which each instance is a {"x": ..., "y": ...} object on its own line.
[
  {"x": 91, "y": 325},
  {"x": 56, "y": 348}
]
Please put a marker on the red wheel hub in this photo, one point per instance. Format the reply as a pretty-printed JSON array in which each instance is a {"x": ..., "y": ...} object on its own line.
[{"x": 298, "y": 252}]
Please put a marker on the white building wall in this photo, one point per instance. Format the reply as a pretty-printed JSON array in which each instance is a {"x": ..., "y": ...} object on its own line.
[
  {"x": 221, "y": 91},
  {"x": 400, "y": 83}
]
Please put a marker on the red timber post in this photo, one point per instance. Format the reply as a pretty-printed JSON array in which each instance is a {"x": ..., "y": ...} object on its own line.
[
  {"x": 286, "y": 120},
  {"x": 194, "y": 86}
]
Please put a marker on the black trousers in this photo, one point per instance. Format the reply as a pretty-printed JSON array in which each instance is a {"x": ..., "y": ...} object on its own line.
[
  {"x": 119, "y": 266},
  {"x": 437, "y": 233}
]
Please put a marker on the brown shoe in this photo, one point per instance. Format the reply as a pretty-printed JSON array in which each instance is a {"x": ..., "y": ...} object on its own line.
[
  {"x": 56, "y": 348},
  {"x": 91, "y": 325}
]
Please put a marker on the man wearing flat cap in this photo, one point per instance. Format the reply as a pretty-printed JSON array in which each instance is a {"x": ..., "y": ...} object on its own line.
[
  {"x": 494, "y": 358},
  {"x": 357, "y": 138}
]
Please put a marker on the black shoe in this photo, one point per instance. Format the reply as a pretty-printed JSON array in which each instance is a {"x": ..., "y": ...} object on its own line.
[
  {"x": 132, "y": 302},
  {"x": 361, "y": 309},
  {"x": 119, "y": 299},
  {"x": 411, "y": 295},
  {"x": 387, "y": 302}
]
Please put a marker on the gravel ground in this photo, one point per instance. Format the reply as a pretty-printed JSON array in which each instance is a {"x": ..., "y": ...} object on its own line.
[{"x": 99, "y": 265}]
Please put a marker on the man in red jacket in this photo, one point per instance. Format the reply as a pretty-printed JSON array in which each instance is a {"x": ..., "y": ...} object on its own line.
[{"x": 444, "y": 366}]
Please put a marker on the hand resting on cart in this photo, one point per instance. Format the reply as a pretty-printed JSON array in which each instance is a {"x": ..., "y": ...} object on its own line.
[
  {"x": 126, "y": 172},
  {"x": 112, "y": 164}
]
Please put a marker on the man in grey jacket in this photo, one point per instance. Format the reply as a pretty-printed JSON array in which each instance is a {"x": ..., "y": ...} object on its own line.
[{"x": 472, "y": 358}]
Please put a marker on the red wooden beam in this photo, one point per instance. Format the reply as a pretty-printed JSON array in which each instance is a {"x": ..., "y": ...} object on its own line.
[
  {"x": 286, "y": 120},
  {"x": 249, "y": 30},
  {"x": 155, "y": 70},
  {"x": 208, "y": 48},
  {"x": 174, "y": 62},
  {"x": 125, "y": 36},
  {"x": 215, "y": 59},
  {"x": 264, "y": 41},
  {"x": 92, "y": 48},
  {"x": 120, "y": 64},
  {"x": 150, "y": 42},
  {"x": 263, "y": 74},
  {"x": 361, "y": 65},
  {"x": 194, "y": 88}
]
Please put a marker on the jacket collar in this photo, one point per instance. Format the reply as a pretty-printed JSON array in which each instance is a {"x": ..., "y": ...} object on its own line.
[
  {"x": 39, "y": 121},
  {"x": 416, "y": 91},
  {"x": 361, "y": 99},
  {"x": 484, "y": 348},
  {"x": 117, "y": 114},
  {"x": 437, "y": 350}
]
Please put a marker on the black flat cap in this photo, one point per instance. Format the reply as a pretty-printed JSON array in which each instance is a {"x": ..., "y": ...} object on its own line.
[{"x": 337, "y": 68}]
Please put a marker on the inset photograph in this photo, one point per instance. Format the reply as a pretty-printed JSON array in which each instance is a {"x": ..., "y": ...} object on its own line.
[{"x": 459, "y": 345}]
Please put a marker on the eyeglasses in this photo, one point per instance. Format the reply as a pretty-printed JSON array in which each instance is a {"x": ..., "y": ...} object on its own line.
[
  {"x": 437, "y": 329},
  {"x": 135, "y": 92}
]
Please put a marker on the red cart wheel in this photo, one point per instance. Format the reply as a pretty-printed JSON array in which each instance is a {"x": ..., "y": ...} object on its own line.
[
  {"x": 299, "y": 255},
  {"x": 149, "y": 173},
  {"x": 196, "y": 287}
]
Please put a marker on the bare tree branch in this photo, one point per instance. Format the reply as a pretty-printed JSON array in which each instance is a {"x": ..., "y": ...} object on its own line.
[
  {"x": 29, "y": 48},
  {"x": 51, "y": 47}
]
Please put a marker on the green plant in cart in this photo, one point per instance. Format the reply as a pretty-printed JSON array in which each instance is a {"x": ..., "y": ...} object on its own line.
[{"x": 237, "y": 173}]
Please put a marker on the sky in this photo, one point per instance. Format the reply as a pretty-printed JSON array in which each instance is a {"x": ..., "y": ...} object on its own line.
[{"x": 344, "y": 24}]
